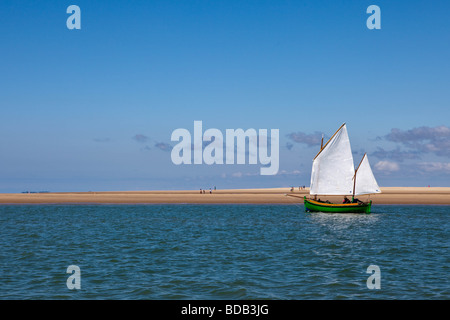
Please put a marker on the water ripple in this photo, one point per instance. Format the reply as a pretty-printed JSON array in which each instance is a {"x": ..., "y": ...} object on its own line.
[{"x": 222, "y": 252}]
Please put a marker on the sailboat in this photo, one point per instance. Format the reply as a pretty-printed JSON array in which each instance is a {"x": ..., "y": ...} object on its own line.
[{"x": 333, "y": 173}]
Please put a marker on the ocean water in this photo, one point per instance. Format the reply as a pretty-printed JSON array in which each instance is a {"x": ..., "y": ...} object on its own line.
[{"x": 223, "y": 252}]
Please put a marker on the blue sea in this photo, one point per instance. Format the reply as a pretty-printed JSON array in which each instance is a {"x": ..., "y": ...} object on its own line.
[{"x": 217, "y": 252}]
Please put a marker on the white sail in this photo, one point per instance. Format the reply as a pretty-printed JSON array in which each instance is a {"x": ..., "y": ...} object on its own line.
[
  {"x": 365, "y": 180},
  {"x": 333, "y": 169}
]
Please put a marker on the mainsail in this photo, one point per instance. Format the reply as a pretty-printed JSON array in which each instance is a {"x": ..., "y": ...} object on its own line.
[
  {"x": 333, "y": 172},
  {"x": 365, "y": 182},
  {"x": 333, "y": 169}
]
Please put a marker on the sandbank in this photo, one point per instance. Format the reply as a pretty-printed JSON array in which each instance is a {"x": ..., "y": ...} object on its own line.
[{"x": 389, "y": 195}]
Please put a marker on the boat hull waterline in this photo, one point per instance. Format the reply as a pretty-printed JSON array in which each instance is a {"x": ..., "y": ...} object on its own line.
[{"x": 318, "y": 206}]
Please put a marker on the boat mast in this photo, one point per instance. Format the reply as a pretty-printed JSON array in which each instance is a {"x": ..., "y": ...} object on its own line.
[
  {"x": 321, "y": 147},
  {"x": 354, "y": 177}
]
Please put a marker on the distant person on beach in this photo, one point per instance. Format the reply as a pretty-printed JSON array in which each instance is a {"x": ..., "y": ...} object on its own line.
[
  {"x": 201, "y": 191},
  {"x": 210, "y": 190}
]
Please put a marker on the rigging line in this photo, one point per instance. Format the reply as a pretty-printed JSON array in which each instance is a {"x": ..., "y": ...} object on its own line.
[{"x": 293, "y": 201}]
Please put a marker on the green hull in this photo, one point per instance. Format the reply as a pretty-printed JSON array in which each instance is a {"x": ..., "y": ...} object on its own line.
[{"x": 317, "y": 206}]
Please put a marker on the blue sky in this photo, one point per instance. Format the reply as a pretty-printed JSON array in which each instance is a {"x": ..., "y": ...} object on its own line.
[{"x": 94, "y": 109}]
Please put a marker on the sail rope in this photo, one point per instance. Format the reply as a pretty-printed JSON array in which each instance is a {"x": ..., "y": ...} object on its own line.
[{"x": 294, "y": 201}]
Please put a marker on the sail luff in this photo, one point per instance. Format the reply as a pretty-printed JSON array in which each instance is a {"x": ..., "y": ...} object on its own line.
[
  {"x": 321, "y": 148},
  {"x": 359, "y": 165},
  {"x": 354, "y": 177}
]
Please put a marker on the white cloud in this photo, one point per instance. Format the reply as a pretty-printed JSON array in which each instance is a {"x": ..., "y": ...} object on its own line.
[
  {"x": 443, "y": 167},
  {"x": 387, "y": 166}
]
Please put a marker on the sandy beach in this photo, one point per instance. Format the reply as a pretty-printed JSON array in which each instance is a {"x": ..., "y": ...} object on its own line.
[{"x": 389, "y": 195}]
